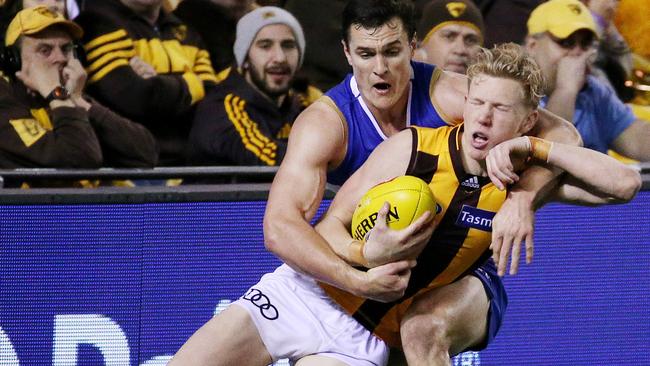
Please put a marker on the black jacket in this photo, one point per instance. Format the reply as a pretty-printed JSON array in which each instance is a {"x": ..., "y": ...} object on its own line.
[
  {"x": 236, "y": 125},
  {"x": 113, "y": 34}
]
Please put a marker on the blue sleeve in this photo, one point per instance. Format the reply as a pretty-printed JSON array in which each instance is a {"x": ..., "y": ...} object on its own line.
[{"x": 615, "y": 116}]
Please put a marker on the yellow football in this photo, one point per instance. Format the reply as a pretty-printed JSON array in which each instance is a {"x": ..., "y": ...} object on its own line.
[{"x": 409, "y": 198}]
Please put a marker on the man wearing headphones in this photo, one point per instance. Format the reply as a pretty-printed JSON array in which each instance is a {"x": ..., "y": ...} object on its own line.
[{"x": 45, "y": 119}]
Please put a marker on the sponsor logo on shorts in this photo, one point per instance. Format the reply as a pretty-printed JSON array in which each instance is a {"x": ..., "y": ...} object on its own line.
[
  {"x": 475, "y": 218},
  {"x": 262, "y": 302}
]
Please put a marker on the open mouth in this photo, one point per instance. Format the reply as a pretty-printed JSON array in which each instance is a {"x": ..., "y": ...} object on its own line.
[
  {"x": 479, "y": 140},
  {"x": 278, "y": 71},
  {"x": 381, "y": 88}
]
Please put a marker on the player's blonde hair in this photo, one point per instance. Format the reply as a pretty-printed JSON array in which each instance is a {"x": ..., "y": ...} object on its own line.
[{"x": 509, "y": 60}]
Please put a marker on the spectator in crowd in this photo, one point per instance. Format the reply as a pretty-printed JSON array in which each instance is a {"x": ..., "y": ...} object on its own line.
[
  {"x": 631, "y": 20},
  {"x": 505, "y": 20},
  {"x": 147, "y": 65},
  {"x": 10, "y": 8},
  {"x": 216, "y": 22},
  {"x": 450, "y": 34},
  {"x": 236, "y": 8},
  {"x": 47, "y": 121},
  {"x": 246, "y": 121},
  {"x": 324, "y": 64},
  {"x": 562, "y": 38},
  {"x": 614, "y": 63}
]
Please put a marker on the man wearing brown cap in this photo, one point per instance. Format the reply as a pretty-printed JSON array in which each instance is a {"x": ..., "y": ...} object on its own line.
[
  {"x": 450, "y": 34},
  {"x": 562, "y": 39},
  {"x": 45, "y": 119}
]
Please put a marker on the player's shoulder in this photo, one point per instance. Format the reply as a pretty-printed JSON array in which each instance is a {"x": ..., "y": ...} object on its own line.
[
  {"x": 433, "y": 140},
  {"x": 320, "y": 122},
  {"x": 453, "y": 82},
  {"x": 315, "y": 143},
  {"x": 449, "y": 94},
  {"x": 322, "y": 114},
  {"x": 431, "y": 132}
]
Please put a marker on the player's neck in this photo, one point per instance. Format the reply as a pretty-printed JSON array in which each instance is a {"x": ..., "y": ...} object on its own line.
[
  {"x": 392, "y": 120},
  {"x": 471, "y": 165}
]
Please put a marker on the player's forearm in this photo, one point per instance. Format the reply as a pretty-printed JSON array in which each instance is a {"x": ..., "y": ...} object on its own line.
[
  {"x": 302, "y": 248},
  {"x": 573, "y": 191},
  {"x": 338, "y": 238},
  {"x": 534, "y": 184},
  {"x": 537, "y": 181},
  {"x": 633, "y": 141},
  {"x": 614, "y": 180}
]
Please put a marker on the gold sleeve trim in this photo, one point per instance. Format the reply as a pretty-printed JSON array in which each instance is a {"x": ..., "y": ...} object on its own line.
[
  {"x": 126, "y": 44},
  {"x": 108, "y": 68},
  {"x": 195, "y": 85},
  {"x": 208, "y": 77},
  {"x": 253, "y": 140},
  {"x": 106, "y": 38},
  {"x": 107, "y": 58},
  {"x": 434, "y": 79},
  {"x": 344, "y": 124},
  {"x": 223, "y": 74}
]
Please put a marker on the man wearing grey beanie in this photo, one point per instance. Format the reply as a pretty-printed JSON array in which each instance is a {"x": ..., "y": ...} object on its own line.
[{"x": 247, "y": 118}]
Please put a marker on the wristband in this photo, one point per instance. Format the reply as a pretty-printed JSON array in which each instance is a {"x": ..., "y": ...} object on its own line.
[
  {"x": 539, "y": 148},
  {"x": 355, "y": 250}
]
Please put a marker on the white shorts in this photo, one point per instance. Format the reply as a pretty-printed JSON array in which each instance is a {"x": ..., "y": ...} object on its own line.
[{"x": 295, "y": 318}]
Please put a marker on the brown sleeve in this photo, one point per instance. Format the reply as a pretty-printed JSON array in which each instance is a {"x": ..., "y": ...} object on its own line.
[
  {"x": 70, "y": 143},
  {"x": 124, "y": 143}
]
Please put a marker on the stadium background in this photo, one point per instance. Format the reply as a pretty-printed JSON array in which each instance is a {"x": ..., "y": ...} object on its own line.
[{"x": 92, "y": 280}]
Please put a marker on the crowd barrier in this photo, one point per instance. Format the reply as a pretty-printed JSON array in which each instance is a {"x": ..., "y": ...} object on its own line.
[{"x": 123, "y": 277}]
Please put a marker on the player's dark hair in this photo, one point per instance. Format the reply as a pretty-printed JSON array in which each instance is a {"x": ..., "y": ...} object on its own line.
[{"x": 374, "y": 13}]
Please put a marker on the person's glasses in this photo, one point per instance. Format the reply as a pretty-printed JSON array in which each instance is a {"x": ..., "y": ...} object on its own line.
[{"x": 584, "y": 41}]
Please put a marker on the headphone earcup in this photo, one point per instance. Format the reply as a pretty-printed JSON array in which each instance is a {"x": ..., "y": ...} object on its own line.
[
  {"x": 10, "y": 60},
  {"x": 79, "y": 52}
]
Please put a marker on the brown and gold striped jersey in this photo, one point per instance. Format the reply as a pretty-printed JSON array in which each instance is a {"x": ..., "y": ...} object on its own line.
[{"x": 460, "y": 243}]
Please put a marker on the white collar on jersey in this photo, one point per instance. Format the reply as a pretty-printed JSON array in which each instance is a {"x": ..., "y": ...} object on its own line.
[{"x": 357, "y": 95}]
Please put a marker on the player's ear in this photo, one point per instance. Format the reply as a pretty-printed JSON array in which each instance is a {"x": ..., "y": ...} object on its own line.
[
  {"x": 530, "y": 121},
  {"x": 346, "y": 50},
  {"x": 414, "y": 43}
]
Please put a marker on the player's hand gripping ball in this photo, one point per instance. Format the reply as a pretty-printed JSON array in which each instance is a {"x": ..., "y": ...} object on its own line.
[{"x": 409, "y": 198}]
